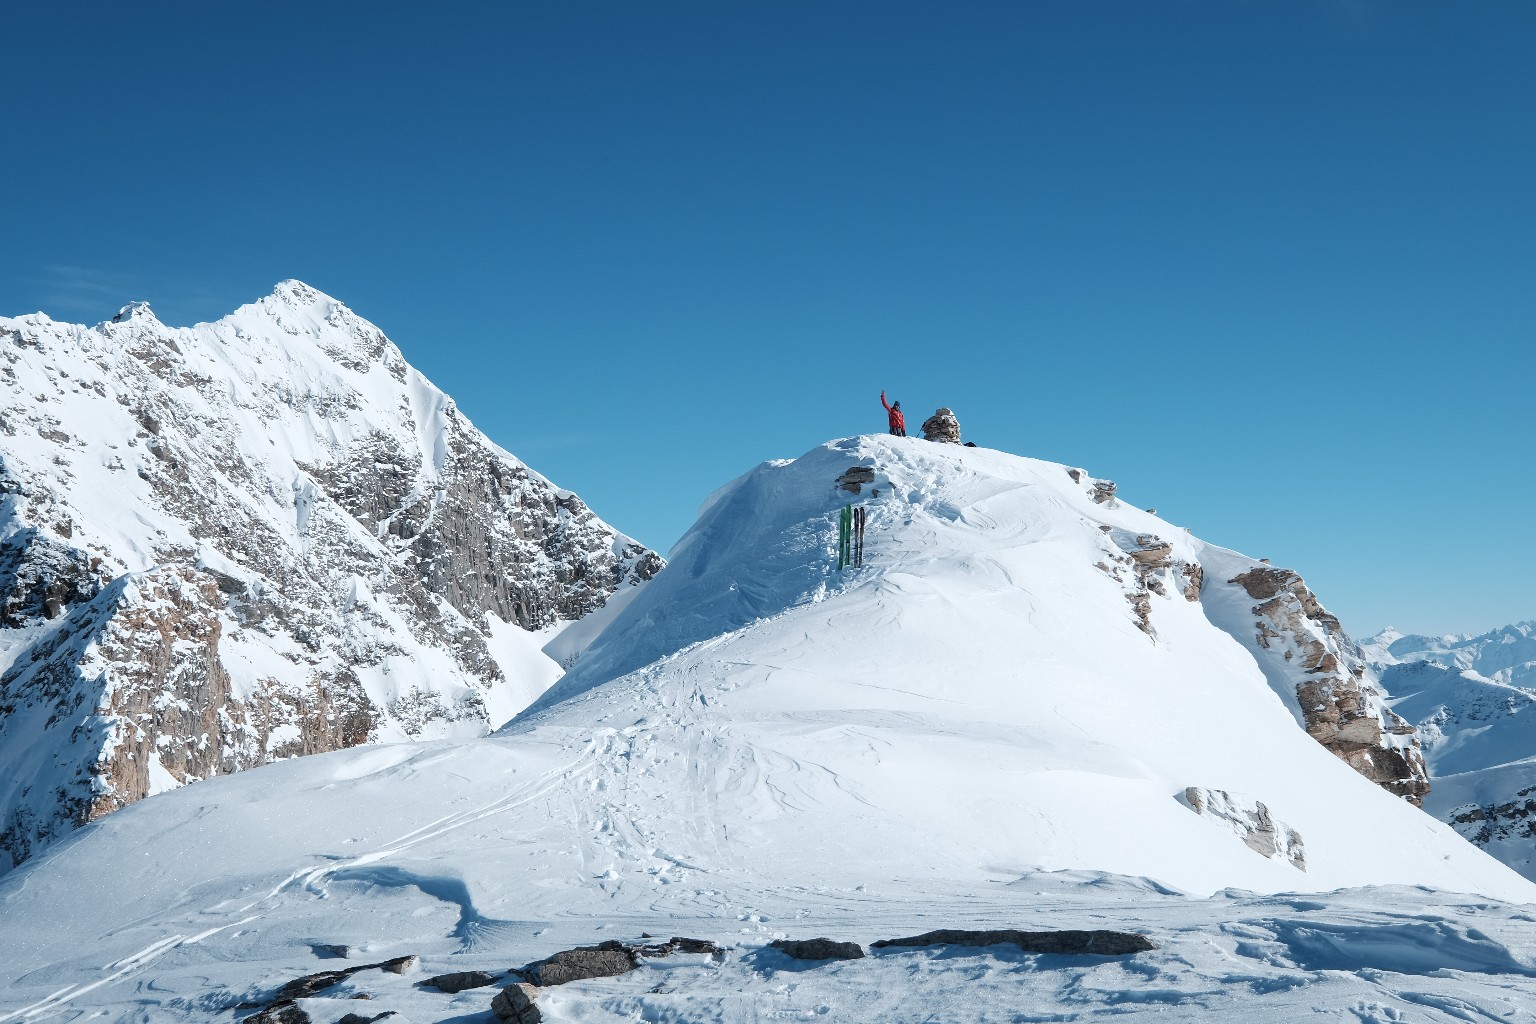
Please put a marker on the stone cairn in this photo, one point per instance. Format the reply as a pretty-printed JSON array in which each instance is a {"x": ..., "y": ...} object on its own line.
[{"x": 942, "y": 426}]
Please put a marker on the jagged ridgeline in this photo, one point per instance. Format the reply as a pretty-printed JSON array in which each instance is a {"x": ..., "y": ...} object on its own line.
[{"x": 247, "y": 540}]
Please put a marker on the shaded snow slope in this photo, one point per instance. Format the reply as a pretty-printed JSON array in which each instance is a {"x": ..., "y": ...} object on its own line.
[
  {"x": 758, "y": 746},
  {"x": 261, "y": 537}
]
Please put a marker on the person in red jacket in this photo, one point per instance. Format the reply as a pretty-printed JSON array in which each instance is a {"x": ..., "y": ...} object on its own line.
[{"x": 894, "y": 414}]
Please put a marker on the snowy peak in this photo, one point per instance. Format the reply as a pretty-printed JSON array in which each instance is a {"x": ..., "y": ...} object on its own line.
[
  {"x": 1506, "y": 654},
  {"x": 134, "y": 312},
  {"x": 1377, "y": 649},
  {"x": 1049, "y": 537},
  {"x": 323, "y": 544},
  {"x": 1024, "y": 671}
]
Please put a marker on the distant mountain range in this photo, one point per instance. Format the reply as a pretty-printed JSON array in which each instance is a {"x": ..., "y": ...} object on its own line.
[{"x": 1473, "y": 700}]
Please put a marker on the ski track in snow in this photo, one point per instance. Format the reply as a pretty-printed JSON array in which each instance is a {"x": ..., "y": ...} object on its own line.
[{"x": 310, "y": 880}]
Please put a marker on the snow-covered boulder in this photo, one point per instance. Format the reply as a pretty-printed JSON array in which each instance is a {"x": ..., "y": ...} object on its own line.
[{"x": 1250, "y": 820}]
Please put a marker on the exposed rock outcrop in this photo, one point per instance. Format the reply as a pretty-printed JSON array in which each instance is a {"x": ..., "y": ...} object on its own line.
[
  {"x": 1146, "y": 566},
  {"x": 601, "y": 961},
  {"x": 1342, "y": 707},
  {"x": 1252, "y": 822},
  {"x": 942, "y": 427},
  {"x": 818, "y": 949},
  {"x": 1509, "y": 823},
  {"x": 1072, "y": 943},
  {"x": 515, "y": 1005},
  {"x": 283, "y": 1013},
  {"x": 284, "y": 1009},
  {"x": 676, "y": 944},
  {"x": 254, "y": 539},
  {"x": 854, "y": 478},
  {"x": 460, "y": 981}
]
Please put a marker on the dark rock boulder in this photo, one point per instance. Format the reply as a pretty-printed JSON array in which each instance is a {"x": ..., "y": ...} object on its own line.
[
  {"x": 1070, "y": 943},
  {"x": 601, "y": 961},
  {"x": 398, "y": 965},
  {"x": 818, "y": 949},
  {"x": 854, "y": 478},
  {"x": 515, "y": 1005},
  {"x": 676, "y": 944},
  {"x": 284, "y": 1012},
  {"x": 301, "y": 988},
  {"x": 461, "y": 981}
]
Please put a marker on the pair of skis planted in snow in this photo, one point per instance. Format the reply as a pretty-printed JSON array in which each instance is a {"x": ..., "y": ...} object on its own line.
[{"x": 850, "y": 536}]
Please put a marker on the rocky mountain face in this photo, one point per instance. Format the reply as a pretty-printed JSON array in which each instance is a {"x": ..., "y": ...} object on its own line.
[
  {"x": 1310, "y": 662},
  {"x": 1343, "y": 707},
  {"x": 1473, "y": 701},
  {"x": 244, "y": 541}
]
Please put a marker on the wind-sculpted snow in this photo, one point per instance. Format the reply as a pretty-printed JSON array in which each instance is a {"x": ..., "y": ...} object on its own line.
[
  {"x": 975, "y": 732},
  {"x": 247, "y": 540}
]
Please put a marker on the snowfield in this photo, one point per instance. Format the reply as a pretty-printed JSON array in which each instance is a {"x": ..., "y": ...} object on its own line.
[{"x": 972, "y": 731}]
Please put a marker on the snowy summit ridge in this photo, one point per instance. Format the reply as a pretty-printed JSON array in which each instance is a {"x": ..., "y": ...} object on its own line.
[
  {"x": 1013, "y": 616},
  {"x": 265, "y": 536}
]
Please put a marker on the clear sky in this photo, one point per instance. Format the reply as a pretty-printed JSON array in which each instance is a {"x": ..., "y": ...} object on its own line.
[{"x": 1269, "y": 266}]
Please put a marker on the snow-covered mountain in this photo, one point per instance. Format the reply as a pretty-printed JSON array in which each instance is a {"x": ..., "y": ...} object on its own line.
[
  {"x": 1032, "y": 707},
  {"x": 1473, "y": 699},
  {"x": 241, "y": 541},
  {"x": 1505, "y": 655}
]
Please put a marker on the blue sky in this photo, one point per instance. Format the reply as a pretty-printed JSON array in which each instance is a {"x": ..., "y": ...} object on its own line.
[{"x": 1269, "y": 266}]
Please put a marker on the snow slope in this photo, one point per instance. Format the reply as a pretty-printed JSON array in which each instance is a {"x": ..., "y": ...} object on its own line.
[{"x": 974, "y": 730}]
